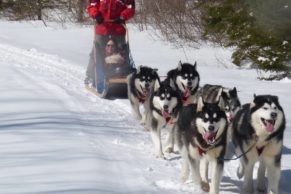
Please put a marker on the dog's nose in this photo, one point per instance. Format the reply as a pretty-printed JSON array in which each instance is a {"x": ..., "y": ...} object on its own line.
[
  {"x": 166, "y": 107},
  {"x": 189, "y": 83},
  {"x": 147, "y": 85},
  {"x": 211, "y": 128},
  {"x": 274, "y": 115}
]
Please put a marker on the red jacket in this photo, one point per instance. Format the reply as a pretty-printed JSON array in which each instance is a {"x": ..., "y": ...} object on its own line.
[{"x": 111, "y": 9}]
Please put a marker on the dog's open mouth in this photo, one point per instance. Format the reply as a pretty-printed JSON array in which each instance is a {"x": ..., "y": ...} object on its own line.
[
  {"x": 186, "y": 93},
  {"x": 210, "y": 137},
  {"x": 269, "y": 124},
  {"x": 166, "y": 115},
  {"x": 146, "y": 91}
]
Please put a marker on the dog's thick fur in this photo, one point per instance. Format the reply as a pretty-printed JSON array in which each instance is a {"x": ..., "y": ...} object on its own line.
[
  {"x": 201, "y": 136},
  {"x": 259, "y": 127},
  {"x": 210, "y": 93},
  {"x": 165, "y": 104},
  {"x": 140, "y": 85},
  {"x": 185, "y": 79}
]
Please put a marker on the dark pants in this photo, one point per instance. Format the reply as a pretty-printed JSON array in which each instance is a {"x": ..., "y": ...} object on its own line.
[{"x": 97, "y": 54}]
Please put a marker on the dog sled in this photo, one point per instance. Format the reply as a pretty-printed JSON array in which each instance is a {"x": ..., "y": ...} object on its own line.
[{"x": 111, "y": 77}]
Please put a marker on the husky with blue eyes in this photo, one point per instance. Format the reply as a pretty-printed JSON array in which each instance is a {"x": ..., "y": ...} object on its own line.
[
  {"x": 165, "y": 103},
  {"x": 257, "y": 133},
  {"x": 201, "y": 136},
  {"x": 185, "y": 79},
  {"x": 140, "y": 86}
]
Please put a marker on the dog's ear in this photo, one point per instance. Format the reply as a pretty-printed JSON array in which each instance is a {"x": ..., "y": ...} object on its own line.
[
  {"x": 195, "y": 65},
  {"x": 253, "y": 103},
  {"x": 221, "y": 104},
  {"x": 179, "y": 66},
  {"x": 219, "y": 99},
  {"x": 155, "y": 72},
  {"x": 233, "y": 92},
  {"x": 157, "y": 85},
  {"x": 200, "y": 104},
  {"x": 138, "y": 69},
  {"x": 276, "y": 98},
  {"x": 219, "y": 94}
]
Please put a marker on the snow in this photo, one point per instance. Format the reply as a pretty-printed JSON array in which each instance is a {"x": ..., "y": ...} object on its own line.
[{"x": 58, "y": 138}]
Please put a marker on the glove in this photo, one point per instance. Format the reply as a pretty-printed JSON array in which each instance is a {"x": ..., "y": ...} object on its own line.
[
  {"x": 119, "y": 20},
  {"x": 99, "y": 19}
]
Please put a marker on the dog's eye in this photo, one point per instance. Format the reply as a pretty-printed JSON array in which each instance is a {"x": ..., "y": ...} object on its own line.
[
  {"x": 191, "y": 75},
  {"x": 168, "y": 96},
  {"x": 265, "y": 108},
  {"x": 206, "y": 116},
  {"x": 214, "y": 115},
  {"x": 163, "y": 96},
  {"x": 149, "y": 78}
]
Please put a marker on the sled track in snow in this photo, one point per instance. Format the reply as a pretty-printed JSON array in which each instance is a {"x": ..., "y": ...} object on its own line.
[{"x": 69, "y": 76}]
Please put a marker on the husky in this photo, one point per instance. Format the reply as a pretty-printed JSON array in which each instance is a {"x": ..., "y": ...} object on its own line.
[
  {"x": 185, "y": 79},
  {"x": 140, "y": 85},
  {"x": 165, "y": 104},
  {"x": 231, "y": 101},
  {"x": 258, "y": 134},
  {"x": 201, "y": 135}
]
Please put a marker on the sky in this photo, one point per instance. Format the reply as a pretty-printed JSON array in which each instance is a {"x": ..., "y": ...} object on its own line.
[{"x": 56, "y": 137}]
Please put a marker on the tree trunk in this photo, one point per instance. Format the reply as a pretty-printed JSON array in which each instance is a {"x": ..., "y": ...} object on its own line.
[
  {"x": 39, "y": 10},
  {"x": 81, "y": 4}
]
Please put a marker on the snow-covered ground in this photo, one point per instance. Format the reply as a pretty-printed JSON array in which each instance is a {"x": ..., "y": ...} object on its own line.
[{"x": 55, "y": 137}]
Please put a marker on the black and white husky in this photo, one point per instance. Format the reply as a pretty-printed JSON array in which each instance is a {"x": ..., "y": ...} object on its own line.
[
  {"x": 165, "y": 104},
  {"x": 210, "y": 93},
  {"x": 258, "y": 133},
  {"x": 140, "y": 85},
  {"x": 201, "y": 135},
  {"x": 185, "y": 79}
]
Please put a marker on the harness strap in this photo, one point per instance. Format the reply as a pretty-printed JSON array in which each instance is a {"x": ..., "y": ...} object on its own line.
[{"x": 200, "y": 151}]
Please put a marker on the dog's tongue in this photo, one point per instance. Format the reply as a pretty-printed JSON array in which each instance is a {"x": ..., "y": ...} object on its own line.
[
  {"x": 166, "y": 114},
  {"x": 269, "y": 126},
  {"x": 146, "y": 91},
  {"x": 186, "y": 93},
  {"x": 209, "y": 137}
]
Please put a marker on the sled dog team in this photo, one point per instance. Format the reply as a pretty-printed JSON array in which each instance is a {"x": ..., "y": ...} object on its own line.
[{"x": 204, "y": 121}]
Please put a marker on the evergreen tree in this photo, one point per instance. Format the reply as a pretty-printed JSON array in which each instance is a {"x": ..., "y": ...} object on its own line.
[{"x": 258, "y": 29}]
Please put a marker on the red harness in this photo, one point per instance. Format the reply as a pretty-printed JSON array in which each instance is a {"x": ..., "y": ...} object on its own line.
[{"x": 200, "y": 151}]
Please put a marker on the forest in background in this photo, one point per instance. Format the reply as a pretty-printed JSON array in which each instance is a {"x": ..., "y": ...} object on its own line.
[{"x": 258, "y": 30}]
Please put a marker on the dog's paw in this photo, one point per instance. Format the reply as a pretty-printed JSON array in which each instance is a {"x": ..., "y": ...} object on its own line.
[
  {"x": 261, "y": 189},
  {"x": 146, "y": 129},
  {"x": 160, "y": 156},
  {"x": 169, "y": 150},
  {"x": 142, "y": 123},
  {"x": 240, "y": 171},
  {"x": 184, "y": 178},
  {"x": 248, "y": 189},
  {"x": 205, "y": 186}
]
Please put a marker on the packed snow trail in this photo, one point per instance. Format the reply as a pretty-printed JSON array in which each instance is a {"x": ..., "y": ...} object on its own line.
[{"x": 56, "y": 138}]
